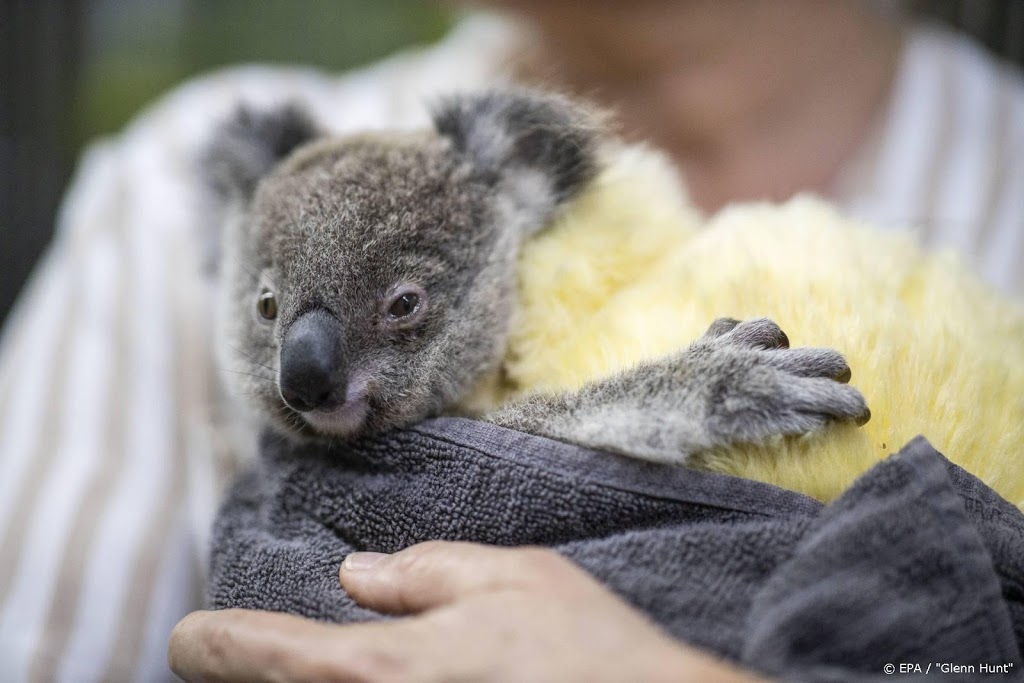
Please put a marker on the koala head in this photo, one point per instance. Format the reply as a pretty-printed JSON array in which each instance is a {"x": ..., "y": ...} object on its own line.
[{"x": 369, "y": 280}]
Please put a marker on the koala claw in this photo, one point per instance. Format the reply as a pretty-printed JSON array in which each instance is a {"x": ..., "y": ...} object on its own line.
[
  {"x": 720, "y": 327},
  {"x": 830, "y": 399},
  {"x": 844, "y": 377},
  {"x": 760, "y": 333},
  {"x": 767, "y": 388},
  {"x": 772, "y": 402},
  {"x": 810, "y": 362}
]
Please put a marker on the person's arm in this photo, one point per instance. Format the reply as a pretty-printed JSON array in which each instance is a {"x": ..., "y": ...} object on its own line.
[
  {"x": 471, "y": 612},
  {"x": 96, "y": 397}
]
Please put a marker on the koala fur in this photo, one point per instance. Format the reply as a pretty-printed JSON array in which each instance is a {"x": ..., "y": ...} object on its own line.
[{"x": 334, "y": 235}]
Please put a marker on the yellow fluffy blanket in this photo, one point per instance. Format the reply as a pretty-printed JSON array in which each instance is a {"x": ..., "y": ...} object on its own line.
[{"x": 629, "y": 271}]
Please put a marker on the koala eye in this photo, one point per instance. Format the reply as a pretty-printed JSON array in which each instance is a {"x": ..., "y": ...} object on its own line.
[
  {"x": 404, "y": 305},
  {"x": 266, "y": 305}
]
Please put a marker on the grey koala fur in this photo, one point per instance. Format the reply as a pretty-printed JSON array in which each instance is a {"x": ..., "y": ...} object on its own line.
[{"x": 340, "y": 229}]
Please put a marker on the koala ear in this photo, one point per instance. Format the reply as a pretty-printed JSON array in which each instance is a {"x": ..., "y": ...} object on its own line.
[
  {"x": 249, "y": 144},
  {"x": 538, "y": 149}
]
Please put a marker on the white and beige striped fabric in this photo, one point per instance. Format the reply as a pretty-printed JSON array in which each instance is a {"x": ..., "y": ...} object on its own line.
[
  {"x": 112, "y": 450},
  {"x": 947, "y": 157}
]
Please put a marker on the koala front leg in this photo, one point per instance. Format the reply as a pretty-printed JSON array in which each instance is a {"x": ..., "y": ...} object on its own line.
[{"x": 739, "y": 383}]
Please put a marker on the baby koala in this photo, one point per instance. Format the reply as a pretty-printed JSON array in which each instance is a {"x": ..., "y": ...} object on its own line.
[{"x": 369, "y": 282}]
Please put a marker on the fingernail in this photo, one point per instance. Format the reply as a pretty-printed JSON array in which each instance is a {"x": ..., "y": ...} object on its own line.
[{"x": 362, "y": 560}]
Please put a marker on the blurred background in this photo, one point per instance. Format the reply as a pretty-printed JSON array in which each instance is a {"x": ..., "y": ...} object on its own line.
[{"x": 72, "y": 70}]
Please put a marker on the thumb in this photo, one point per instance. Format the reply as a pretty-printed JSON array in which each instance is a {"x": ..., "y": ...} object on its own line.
[{"x": 438, "y": 573}]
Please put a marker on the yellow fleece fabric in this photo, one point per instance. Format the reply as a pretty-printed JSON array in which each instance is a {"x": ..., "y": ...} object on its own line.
[{"x": 629, "y": 270}]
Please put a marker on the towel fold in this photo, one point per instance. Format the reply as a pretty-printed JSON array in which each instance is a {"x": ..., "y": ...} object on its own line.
[{"x": 918, "y": 562}]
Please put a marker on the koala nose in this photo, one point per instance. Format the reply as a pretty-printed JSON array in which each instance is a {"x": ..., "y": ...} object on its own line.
[{"x": 312, "y": 374}]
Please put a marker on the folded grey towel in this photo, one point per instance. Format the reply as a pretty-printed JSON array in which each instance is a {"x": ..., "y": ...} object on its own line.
[{"x": 917, "y": 563}]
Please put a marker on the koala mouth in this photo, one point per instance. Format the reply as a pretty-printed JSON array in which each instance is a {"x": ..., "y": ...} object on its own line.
[{"x": 346, "y": 419}]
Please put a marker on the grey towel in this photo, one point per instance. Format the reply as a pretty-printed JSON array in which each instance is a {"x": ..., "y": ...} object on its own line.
[{"x": 918, "y": 563}]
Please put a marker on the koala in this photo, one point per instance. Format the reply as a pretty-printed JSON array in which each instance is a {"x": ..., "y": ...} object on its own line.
[{"x": 369, "y": 282}]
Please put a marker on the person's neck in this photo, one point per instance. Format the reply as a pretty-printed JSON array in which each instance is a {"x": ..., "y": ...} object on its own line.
[{"x": 754, "y": 100}]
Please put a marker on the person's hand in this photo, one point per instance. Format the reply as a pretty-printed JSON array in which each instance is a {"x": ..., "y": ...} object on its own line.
[{"x": 481, "y": 613}]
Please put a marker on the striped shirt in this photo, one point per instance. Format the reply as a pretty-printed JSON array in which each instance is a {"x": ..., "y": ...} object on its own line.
[
  {"x": 946, "y": 158},
  {"x": 113, "y": 445}
]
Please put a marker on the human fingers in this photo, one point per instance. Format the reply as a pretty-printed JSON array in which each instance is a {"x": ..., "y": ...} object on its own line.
[
  {"x": 248, "y": 645},
  {"x": 437, "y": 573}
]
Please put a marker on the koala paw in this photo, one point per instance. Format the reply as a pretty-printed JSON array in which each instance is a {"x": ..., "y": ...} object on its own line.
[
  {"x": 760, "y": 333},
  {"x": 762, "y": 387}
]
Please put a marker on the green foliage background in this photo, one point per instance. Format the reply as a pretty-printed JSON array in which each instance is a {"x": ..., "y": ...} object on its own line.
[{"x": 140, "y": 50}]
